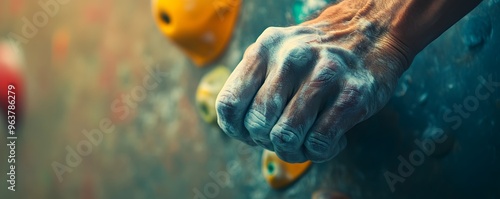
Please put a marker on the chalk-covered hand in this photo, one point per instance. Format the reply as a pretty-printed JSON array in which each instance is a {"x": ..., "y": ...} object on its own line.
[{"x": 299, "y": 89}]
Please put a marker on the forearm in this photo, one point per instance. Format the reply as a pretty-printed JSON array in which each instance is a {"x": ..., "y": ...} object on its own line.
[
  {"x": 411, "y": 23},
  {"x": 419, "y": 22}
]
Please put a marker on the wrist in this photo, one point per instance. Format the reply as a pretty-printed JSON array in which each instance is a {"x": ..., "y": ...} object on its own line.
[
  {"x": 374, "y": 20},
  {"x": 401, "y": 52}
]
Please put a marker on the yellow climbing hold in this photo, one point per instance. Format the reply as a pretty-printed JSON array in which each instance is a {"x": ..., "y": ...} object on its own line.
[{"x": 208, "y": 89}]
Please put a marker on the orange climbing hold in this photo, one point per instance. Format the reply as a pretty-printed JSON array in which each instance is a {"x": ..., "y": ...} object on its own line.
[{"x": 279, "y": 173}]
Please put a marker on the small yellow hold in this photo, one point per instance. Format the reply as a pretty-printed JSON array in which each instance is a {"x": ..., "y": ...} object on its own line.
[
  {"x": 279, "y": 173},
  {"x": 208, "y": 89}
]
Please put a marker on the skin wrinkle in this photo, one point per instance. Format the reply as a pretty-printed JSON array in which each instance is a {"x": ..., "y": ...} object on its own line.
[
  {"x": 299, "y": 89},
  {"x": 365, "y": 10},
  {"x": 323, "y": 76},
  {"x": 295, "y": 57}
]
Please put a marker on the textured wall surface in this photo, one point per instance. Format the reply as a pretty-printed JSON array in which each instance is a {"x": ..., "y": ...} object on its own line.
[{"x": 162, "y": 149}]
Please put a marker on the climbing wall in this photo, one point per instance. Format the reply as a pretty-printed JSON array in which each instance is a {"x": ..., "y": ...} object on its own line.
[{"x": 436, "y": 138}]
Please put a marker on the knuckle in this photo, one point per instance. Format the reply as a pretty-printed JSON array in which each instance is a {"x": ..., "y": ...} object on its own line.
[
  {"x": 350, "y": 98},
  {"x": 228, "y": 114},
  {"x": 297, "y": 57},
  {"x": 318, "y": 147},
  {"x": 304, "y": 30},
  {"x": 286, "y": 137},
  {"x": 327, "y": 73},
  {"x": 256, "y": 51},
  {"x": 227, "y": 128},
  {"x": 353, "y": 98},
  {"x": 270, "y": 31},
  {"x": 352, "y": 91},
  {"x": 271, "y": 35},
  {"x": 226, "y": 104},
  {"x": 257, "y": 124}
]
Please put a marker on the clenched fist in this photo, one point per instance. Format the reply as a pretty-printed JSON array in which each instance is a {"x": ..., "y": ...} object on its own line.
[{"x": 299, "y": 89}]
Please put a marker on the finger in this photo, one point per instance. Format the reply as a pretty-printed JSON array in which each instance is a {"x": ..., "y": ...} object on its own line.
[
  {"x": 291, "y": 129},
  {"x": 324, "y": 140},
  {"x": 238, "y": 91},
  {"x": 275, "y": 93},
  {"x": 288, "y": 134}
]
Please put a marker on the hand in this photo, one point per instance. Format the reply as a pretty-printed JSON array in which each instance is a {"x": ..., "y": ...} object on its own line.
[{"x": 299, "y": 89}]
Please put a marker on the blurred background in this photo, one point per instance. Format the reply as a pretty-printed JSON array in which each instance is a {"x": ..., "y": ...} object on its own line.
[{"x": 78, "y": 68}]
